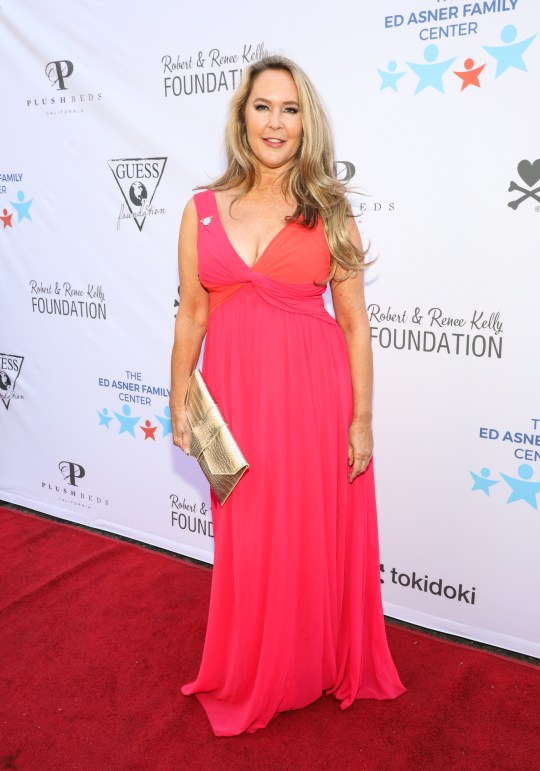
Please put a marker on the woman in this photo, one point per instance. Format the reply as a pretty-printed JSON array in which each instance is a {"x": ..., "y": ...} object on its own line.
[{"x": 295, "y": 606}]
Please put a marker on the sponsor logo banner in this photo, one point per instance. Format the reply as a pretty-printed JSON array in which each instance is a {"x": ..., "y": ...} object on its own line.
[
  {"x": 10, "y": 369},
  {"x": 190, "y": 516},
  {"x": 207, "y": 72},
  {"x": 435, "y": 330},
  {"x": 421, "y": 582},
  {"x": 138, "y": 180},
  {"x": 70, "y": 487},
  {"x": 529, "y": 172},
  {"x": 143, "y": 421},
  {"x": 62, "y": 298},
  {"x": 464, "y": 56},
  {"x": 15, "y": 204},
  {"x": 361, "y": 203},
  {"x": 64, "y": 96},
  {"x": 519, "y": 483}
]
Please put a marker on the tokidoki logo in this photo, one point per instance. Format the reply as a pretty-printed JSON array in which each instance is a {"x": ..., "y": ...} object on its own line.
[
  {"x": 530, "y": 174},
  {"x": 10, "y": 369},
  {"x": 138, "y": 180},
  {"x": 431, "y": 70},
  {"x": 427, "y": 585},
  {"x": 519, "y": 485}
]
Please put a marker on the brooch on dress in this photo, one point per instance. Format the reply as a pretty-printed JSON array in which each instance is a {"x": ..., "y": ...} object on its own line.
[{"x": 206, "y": 221}]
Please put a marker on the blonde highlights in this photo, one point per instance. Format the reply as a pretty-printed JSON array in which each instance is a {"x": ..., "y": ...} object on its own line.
[{"x": 310, "y": 180}]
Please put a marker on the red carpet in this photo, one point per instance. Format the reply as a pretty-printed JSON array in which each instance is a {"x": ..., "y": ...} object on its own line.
[{"x": 96, "y": 637}]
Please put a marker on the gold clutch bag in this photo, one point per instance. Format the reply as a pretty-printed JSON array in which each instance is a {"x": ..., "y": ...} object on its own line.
[{"x": 212, "y": 443}]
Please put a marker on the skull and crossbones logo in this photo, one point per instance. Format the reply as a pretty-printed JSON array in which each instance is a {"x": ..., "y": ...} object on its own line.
[{"x": 530, "y": 174}]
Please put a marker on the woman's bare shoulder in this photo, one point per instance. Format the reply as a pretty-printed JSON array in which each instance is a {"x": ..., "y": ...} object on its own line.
[
  {"x": 188, "y": 222},
  {"x": 190, "y": 205},
  {"x": 189, "y": 213}
]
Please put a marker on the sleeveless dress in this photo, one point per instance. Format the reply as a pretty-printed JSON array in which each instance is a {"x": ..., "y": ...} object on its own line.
[{"x": 295, "y": 603}]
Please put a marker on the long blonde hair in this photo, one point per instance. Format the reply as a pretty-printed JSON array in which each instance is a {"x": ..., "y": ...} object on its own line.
[{"x": 310, "y": 180}]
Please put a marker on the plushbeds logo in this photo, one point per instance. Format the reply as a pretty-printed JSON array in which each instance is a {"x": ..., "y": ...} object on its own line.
[
  {"x": 72, "y": 475},
  {"x": 71, "y": 472},
  {"x": 58, "y": 73},
  {"x": 10, "y": 369},
  {"x": 138, "y": 180},
  {"x": 530, "y": 175},
  {"x": 360, "y": 203},
  {"x": 470, "y": 64}
]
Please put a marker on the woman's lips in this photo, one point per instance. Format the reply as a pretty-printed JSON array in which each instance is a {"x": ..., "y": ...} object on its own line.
[{"x": 273, "y": 142}]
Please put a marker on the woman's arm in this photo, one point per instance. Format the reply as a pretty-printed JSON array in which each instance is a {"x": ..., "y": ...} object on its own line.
[
  {"x": 351, "y": 315},
  {"x": 190, "y": 327}
]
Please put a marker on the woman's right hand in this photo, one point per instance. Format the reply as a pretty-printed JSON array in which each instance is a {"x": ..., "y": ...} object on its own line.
[{"x": 181, "y": 431}]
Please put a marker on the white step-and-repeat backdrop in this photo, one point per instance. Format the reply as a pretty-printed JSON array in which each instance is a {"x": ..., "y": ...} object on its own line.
[{"x": 113, "y": 112}]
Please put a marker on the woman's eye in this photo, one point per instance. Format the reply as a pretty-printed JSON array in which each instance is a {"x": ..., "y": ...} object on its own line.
[{"x": 291, "y": 110}]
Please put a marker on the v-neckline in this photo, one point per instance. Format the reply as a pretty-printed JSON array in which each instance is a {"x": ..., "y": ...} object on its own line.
[{"x": 261, "y": 255}]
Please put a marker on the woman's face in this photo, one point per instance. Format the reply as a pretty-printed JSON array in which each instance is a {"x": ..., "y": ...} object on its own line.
[{"x": 273, "y": 120}]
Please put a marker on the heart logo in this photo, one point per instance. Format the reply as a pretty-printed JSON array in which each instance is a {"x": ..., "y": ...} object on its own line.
[{"x": 529, "y": 172}]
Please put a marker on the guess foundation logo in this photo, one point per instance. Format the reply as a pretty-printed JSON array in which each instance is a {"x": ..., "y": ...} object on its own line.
[{"x": 138, "y": 180}]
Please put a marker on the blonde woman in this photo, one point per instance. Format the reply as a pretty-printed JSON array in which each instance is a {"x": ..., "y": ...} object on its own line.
[{"x": 295, "y": 607}]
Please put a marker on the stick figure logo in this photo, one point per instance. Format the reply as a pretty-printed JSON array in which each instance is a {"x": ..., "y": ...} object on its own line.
[
  {"x": 71, "y": 472},
  {"x": 58, "y": 72},
  {"x": 530, "y": 174}
]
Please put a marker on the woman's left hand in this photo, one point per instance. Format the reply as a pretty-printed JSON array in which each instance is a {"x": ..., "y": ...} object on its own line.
[{"x": 360, "y": 448}]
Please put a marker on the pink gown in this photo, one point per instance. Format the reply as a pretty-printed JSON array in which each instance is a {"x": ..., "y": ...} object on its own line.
[{"x": 295, "y": 605}]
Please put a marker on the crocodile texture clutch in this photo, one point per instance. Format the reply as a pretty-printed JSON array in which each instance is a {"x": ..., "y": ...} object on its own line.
[{"x": 212, "y": 444}]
